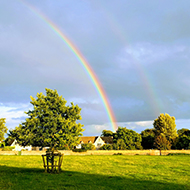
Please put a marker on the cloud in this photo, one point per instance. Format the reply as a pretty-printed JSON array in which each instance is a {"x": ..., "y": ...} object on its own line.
[
  {"x": 139, "y": 51},
  {"x": 14, "y": 113}
]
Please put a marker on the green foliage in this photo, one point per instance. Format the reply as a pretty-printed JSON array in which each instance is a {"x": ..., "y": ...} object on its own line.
[
  {"x": 106, "y": 147},
  {"x": 165, "y": 125},
  {"x": 79, "y": 150},
  {"x": 12, "y": 135},
  {"x": 2, "y": 144},
  {"x": 148, "y": 137},
  {"x": 183, "y": 131},
  {"x": 183, "y": 140},
  {"x": 120, "y": 145},
  {"x": 51, "y": 123},
  {"x": 107, "y": 133},
  {"x": 88, "y": 146},
  {"x": 3, "y": 128},
  {"x": 165, "y": 131},
  {"x": 162, "y": 143},
  {"x": 178, "y": 154},
  {"x": 129, "y": 139},
  {"x": 65, "y": 147},
  {"x": 8, "y": 148}
]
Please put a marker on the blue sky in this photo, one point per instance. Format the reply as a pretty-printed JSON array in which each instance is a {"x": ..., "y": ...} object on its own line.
[{"x": 140, "y": 51}]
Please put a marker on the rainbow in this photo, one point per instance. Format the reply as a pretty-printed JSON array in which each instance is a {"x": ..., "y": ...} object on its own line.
[
  {"x": 94, "y": 79},
  {"x": 118, "y": 31}
]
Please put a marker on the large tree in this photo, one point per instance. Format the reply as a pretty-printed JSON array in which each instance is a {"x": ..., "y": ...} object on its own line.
[
  {"x": 165, "y": 130},
  {"x": 130, "y": 138},
  {"x": 51, "y": 122},
  {"x": 148, "y": 137},
  {"x": 183, "y": 140},
  {"x": 3, "y": 129},
  {"x": 107, "y": 133}
]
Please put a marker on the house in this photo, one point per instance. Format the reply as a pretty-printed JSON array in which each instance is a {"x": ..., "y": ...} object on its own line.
[
  {"x": 18, "y": 147},
  {"x": 96, "y": 140}
]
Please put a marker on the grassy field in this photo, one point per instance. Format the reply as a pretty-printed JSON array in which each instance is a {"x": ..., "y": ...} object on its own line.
[{"x": 97, "y": 172}]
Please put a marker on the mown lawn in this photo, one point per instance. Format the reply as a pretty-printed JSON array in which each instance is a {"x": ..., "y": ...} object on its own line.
[{"x": 97, "y": 172}]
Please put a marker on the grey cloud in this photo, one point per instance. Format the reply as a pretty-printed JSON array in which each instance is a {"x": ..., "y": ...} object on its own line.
[{"x": 139, "y": 50}]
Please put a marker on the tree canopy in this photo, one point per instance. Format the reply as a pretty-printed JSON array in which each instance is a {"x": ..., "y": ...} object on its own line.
[
  {"x": 130, "y": 138},
  {"x": 51, "y": 123},
  {"x": 165, "y": 130},
  {"x": 183, "y": 140},
  {"x": 107, "y": 133},
  {"x": 148, "y": 137},
  {"x": 3, "y": 128}
]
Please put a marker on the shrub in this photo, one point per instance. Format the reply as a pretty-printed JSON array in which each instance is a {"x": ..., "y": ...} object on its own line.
[
  {"x": 88, "y": 146},
  {"x": 8, "y": 148},
  {"x": 106, "y": 147},
  {"x": 117, "y": 154},
  {"x": 178, "y": 154},
  {"x": 79, "y": 150}
]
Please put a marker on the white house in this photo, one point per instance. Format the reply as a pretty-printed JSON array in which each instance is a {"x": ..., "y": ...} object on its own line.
[
  {"x": 19, "y": 148},
  {"x": 96, "y": 140}
]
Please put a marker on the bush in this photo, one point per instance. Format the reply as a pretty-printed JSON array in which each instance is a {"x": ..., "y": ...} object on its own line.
[
  {"x": 65, "y": 147},
  {"x": 178, "y": 154},
  {"x": 8, "y": 148},
  {"x": 117, "y": 154},
  {"x": 106, "y": 147},
  {"x": 88, "y": 146},
  {"x": 79, "y": 150}
]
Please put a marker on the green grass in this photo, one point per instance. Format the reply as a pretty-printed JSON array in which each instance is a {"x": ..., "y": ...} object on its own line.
[{"x": 97, "y": 172}]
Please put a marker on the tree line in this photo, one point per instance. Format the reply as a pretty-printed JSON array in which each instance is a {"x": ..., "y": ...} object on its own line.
[
  {"x": 54, "y": 124},
  {"x": 163, "y": 136}
]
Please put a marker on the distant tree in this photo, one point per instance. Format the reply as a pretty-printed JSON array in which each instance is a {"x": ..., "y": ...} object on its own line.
[
  {"x": 165, "y": 130},
  {"x": 183, "y": 131},
  {"x": 12, "y": 135},
  {"x": 148, "y": 138},
  {"x": 106, "y": 147},
  {"x": 131, "y": 138},
  {"x": 120, "y": 145},
  {"x": 3, "y": 129},
  {"x": 107, "y": 133},
  {"x": 51, "y": 123},
  {"x": 183, "y": 140},
  {"x": 162, "y": 143}
]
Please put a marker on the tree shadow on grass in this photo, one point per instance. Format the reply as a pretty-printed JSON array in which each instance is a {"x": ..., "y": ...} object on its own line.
[{"x": 33, "y": 178}]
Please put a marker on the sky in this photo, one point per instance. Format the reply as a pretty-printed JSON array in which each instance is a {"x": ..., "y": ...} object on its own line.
[{"x": 139, "y": 50}]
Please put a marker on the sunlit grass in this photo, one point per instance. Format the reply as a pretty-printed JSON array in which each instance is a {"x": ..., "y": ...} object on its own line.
[{"x": 97, "y": 172}]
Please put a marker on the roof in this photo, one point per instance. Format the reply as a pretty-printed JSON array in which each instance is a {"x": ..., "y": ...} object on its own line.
[
  {"x": 93, "y": 139},
  {"x": 88, "y": 139},
  {"x": 107, "y": 139},
  {"x": 10, "y": 142}
]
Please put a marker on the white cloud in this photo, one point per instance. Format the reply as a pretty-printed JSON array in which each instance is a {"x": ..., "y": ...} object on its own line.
[{"x": 14, "y": 113}]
